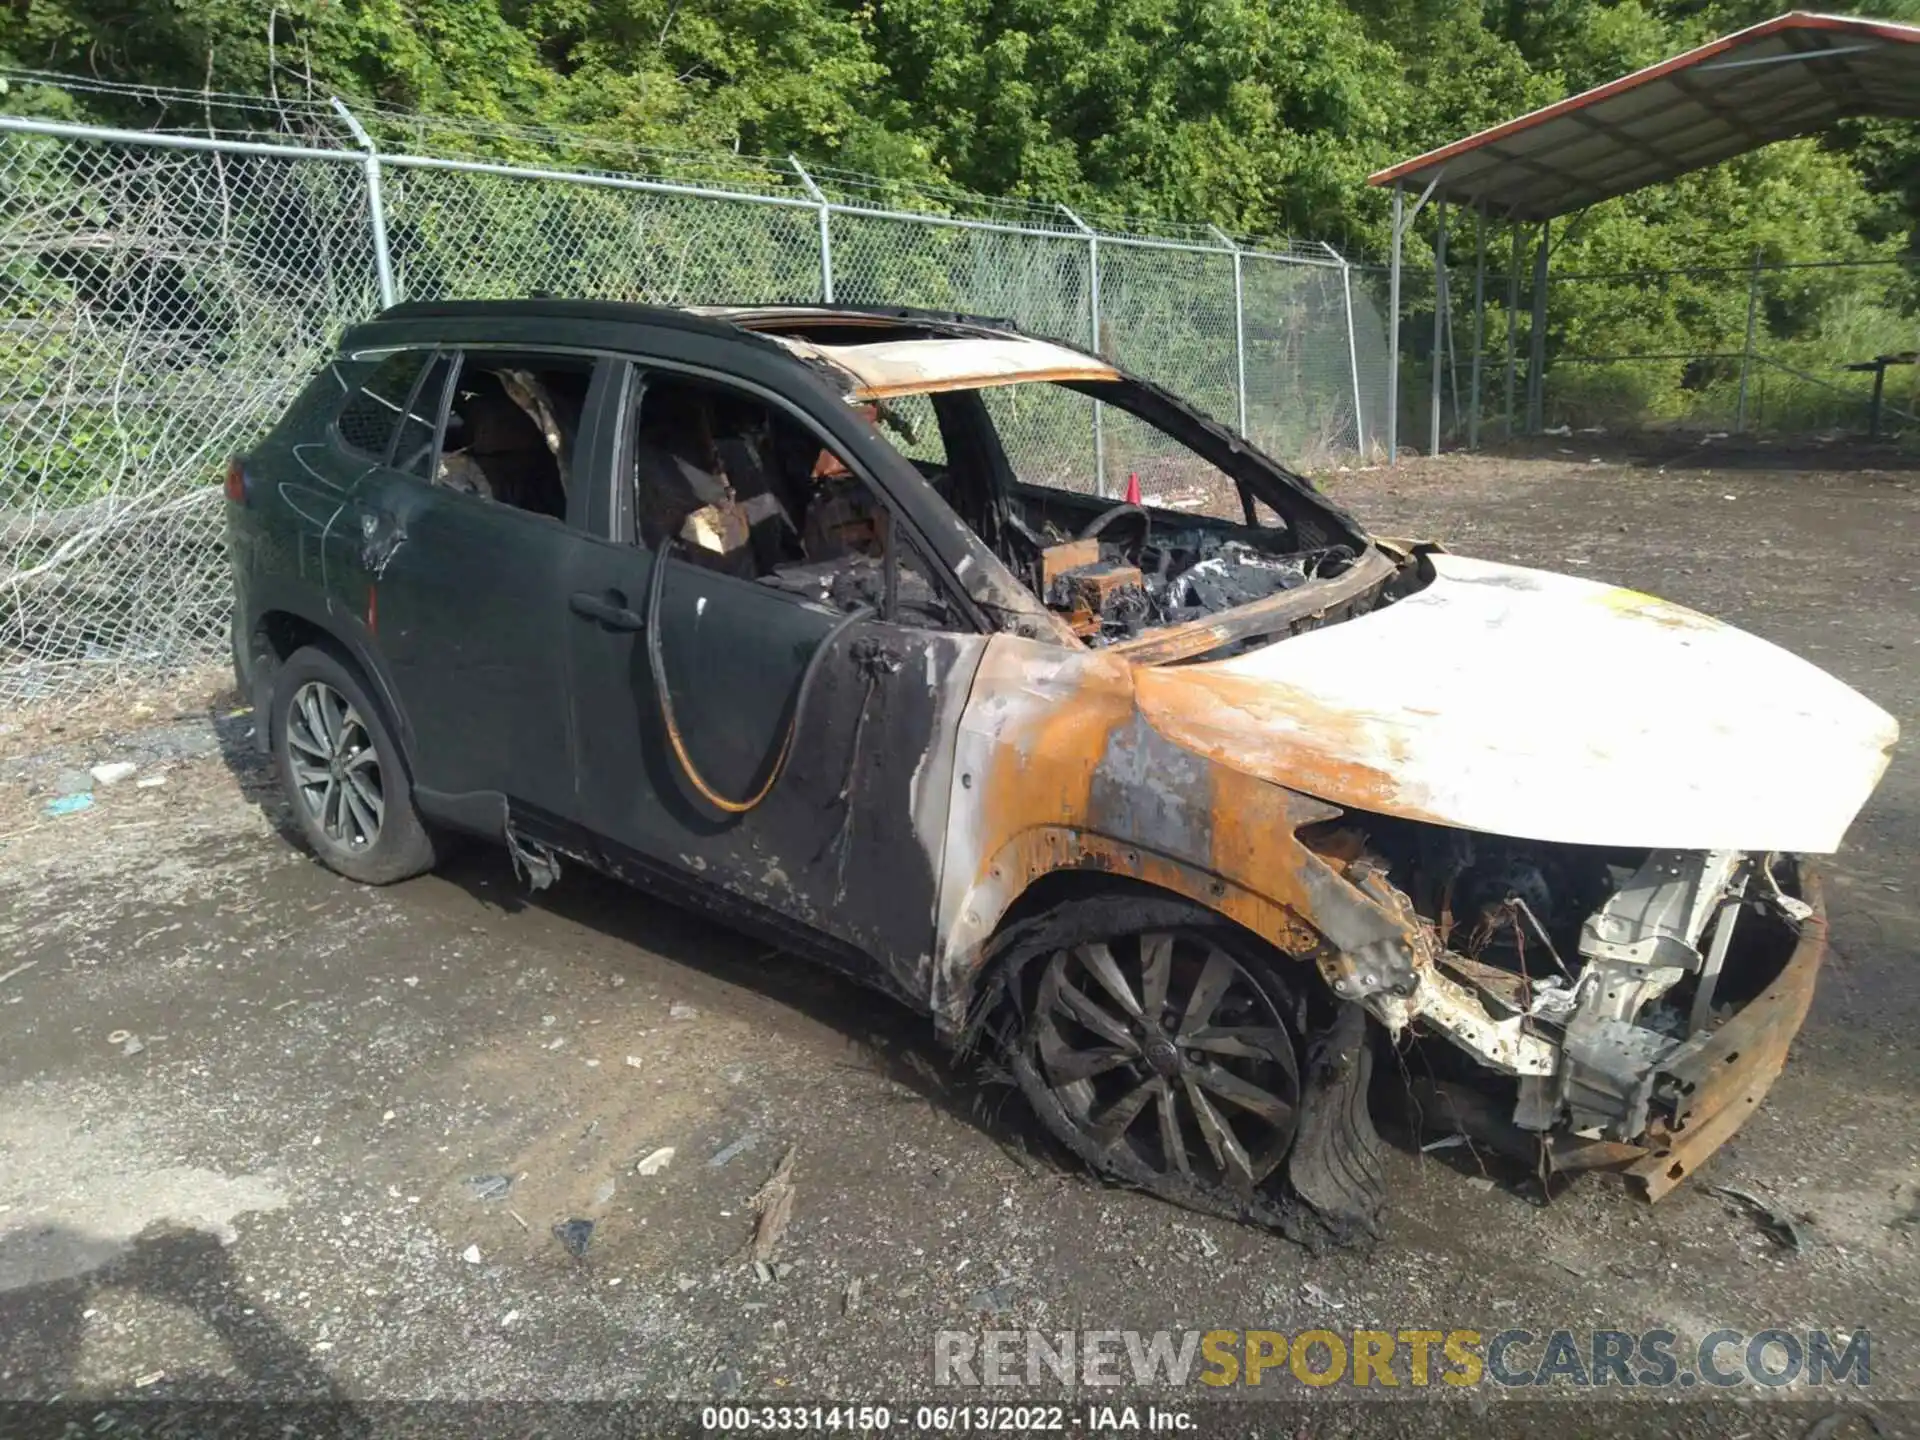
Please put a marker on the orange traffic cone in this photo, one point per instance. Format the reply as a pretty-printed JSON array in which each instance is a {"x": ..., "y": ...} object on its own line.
[{"x": 1133, "y": 488}]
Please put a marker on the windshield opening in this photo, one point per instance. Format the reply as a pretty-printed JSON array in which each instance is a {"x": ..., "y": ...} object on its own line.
[{"x": 1115, "y": 522}]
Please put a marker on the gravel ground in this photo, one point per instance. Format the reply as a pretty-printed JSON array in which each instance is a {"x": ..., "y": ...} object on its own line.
[{"x": 266, "y": 1133}]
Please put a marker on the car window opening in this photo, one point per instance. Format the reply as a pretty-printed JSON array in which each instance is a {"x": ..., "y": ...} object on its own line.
[
  {"x": 749, "y": 491},
  {"x": 1189, "y": 547},
  {"x": 511, "y": 429}
]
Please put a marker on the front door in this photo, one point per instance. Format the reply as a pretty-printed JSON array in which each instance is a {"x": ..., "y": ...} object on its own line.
[{"x": 848, "y": 840}]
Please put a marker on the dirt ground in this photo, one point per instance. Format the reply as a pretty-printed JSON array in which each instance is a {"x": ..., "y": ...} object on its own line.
[{"x": 251, "y": 1113}]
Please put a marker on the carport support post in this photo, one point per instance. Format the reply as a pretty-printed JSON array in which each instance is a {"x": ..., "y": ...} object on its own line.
[
  {"x": 1440, "y": 304},
  {"x": 1479, "y": 320},
  {"x": 1746, "y": 351},
  {"x": 1393, "y": 328},
  {"x": 376, "y": 206},
  {"x": 1513, "y": 319},
  {"x": 1537, "y": 340},
  {"x": 1093, "y": 327},
  {"x": 1239, "y": 325},
  {"x": 826, "y": 228}
]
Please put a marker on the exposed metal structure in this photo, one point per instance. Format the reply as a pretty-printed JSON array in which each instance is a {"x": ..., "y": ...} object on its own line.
[{"x": 1797, "y": 74}]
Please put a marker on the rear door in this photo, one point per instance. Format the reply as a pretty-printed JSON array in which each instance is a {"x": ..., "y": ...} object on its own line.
[
  {"x": 464, "y": 534},
  {"x": 848, "y": 841}
]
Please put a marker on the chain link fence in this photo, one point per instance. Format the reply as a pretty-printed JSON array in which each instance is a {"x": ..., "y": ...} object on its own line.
[
  {"x": 1818, "y": 349},
  {"x": 163, "y": 295}
]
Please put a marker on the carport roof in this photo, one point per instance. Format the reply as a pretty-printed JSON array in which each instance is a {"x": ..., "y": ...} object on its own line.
[{"x": 1792, "y": 75}]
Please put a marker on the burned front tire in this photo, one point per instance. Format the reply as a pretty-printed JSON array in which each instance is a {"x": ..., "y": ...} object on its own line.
[
  {"x": 1173, "y": 1052},
  {"x": 345, "y": 782}
]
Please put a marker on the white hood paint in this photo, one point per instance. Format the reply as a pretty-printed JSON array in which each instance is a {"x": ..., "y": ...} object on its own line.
[{"x": 1541, "y": 706}]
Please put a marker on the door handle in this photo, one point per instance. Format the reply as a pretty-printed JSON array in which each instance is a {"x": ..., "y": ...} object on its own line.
[{"x": 608, "y": 609}]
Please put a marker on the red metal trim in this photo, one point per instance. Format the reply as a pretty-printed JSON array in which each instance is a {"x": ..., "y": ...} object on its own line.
[{"x": 1795, "y": 20}]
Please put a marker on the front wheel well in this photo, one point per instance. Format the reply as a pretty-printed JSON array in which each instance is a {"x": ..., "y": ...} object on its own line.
[{"x": 1035, "y": 907}]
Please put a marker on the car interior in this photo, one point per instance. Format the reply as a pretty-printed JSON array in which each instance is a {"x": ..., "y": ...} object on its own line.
[
  {"x": 1192, "y": 545},
  {"x": 511, "y": 427},
  {"x": 745, "y": 489}
]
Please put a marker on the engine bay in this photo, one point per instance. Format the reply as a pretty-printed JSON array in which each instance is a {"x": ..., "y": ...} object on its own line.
[{"x": 1121, "y": 576}]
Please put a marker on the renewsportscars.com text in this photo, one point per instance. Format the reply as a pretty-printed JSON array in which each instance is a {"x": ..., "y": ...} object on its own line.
[{"x": 1366, "y": 1359}]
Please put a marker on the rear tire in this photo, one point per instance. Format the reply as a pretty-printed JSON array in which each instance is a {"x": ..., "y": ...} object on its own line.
[
  {"x": 345, "y": 782},
  {"x": 1170, "y": 1051}
]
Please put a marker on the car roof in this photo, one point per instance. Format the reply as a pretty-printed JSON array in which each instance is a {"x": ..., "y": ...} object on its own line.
[
  {"x": 711, "y": 319},
  {"x": 882, "y": 368},
  {"x": 873, "y": 351}
]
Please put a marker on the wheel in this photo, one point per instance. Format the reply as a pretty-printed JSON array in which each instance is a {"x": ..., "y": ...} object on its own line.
[
  {"x": 1162, "y": 1045},
  {"x": 347, "y": 787}
]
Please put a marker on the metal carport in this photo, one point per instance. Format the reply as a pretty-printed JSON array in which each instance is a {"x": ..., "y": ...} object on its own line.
[{"x": 1794, "y": 75}]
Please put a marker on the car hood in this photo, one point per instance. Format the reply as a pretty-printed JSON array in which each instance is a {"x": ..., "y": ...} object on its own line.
[{"x": 1524, "y": 703}]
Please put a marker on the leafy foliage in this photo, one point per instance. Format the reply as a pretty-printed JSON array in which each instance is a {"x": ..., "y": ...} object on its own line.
[{"x": 1262, "y": 116}]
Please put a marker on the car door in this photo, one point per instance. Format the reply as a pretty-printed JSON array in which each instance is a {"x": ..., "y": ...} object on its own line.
[
  {"x": 846, "y": 846},
  {"x": 465, "y": 589}
]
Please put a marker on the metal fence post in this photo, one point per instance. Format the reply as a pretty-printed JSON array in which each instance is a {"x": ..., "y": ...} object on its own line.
[
  {"x": 1353, "y": 349},
  {"x": 1746, "y": 351},
  {"x": 826, "y": 228},
  {"x": 376, "y": 206},
  {"x": 1093, "y": 312},
  {"x": 1239, "y": 324}
]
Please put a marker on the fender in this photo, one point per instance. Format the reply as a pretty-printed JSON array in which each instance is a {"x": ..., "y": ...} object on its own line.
[{"x": 349, "y": 632}]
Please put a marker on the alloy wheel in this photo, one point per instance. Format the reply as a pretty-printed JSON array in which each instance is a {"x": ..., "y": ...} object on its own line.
[
  {"x": 1162, "y": 1046},
  {"x": 336, "y": 769}
]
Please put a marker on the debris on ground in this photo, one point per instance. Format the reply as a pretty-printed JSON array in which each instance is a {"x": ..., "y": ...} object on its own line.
[
  {"x": 113, "y": 772},
  {"x": 1479, "y": 1182},
  {"x": 604, "y": 1194},
  {"x": 70, "y": 804},
  {"x": 129, "y": 1043},
  {"x": 1208, "y": 1246},
  {"x": 773, "y": 1202},
  {"x": 733, "y": 1150},
  {"x": 18, "y": 970},
  {"x": 574, "y": 1236},
  {"x": 490, "y": 1187},
  {"x": 149, "y": 782},
  {"x": 656, "y": 1162},
  {"x": 471, "y": 1254},
  {"x": 1775, "y": 1223},
  {"x": 993, "y": 1299},
  {"x": 678, "y": 1011},
  {"x": 633, "y": 1062},
  {"x": 1445, "y": 1142},
  {"x": 1316, "y": 1296},
  {"x": 1827, "y": 1426},
  {"x": 850, "y": 1300}
]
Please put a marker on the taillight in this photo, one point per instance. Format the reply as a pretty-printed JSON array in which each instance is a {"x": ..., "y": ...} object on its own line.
[{"x": 237, "y": 480}]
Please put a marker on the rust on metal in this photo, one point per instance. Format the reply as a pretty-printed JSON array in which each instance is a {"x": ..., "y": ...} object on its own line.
[{"x": 1727, "y": 1077}]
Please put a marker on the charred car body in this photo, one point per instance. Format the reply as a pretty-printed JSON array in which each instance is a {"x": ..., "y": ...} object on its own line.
[{"x": 1183, "y": 803}]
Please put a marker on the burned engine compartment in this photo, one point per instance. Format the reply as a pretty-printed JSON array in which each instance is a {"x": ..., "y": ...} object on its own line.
[
  {"x": 1130, "y": 569},
  {"x": 1584, "y": 975}
]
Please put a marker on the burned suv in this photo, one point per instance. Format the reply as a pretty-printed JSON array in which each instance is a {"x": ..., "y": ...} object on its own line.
[{"x": 1187, "y": 802}]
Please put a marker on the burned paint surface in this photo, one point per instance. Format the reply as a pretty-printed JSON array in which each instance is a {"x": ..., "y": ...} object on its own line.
[
  {"x": 1523, "y": 703},
  {"x": 1062, "y": 768},
  {"x": 884, "y": 368}
]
